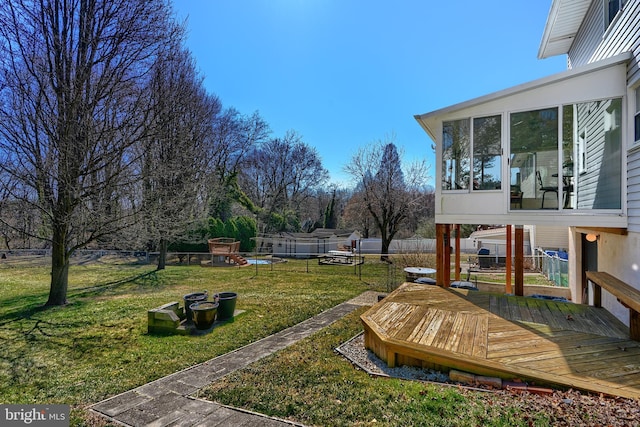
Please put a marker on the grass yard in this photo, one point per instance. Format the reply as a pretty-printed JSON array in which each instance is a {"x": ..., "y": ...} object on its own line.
[
  {"x": 97, "y": 346},
  {"x": 312, "y": 384}
]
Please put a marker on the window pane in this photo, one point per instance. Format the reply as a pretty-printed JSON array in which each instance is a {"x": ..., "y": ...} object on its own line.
[
  {"x": 455, "y": 155},
  {"x": 569, "y": 161},
  {"x": 487, "y": 150},
  {"x": 637, "y": 116},
  {"x": 612, "y": 10},
  {"x": 534, "y": 159}
]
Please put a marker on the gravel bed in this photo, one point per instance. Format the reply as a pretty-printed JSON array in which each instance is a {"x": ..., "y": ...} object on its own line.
[{"x": 355, "y": 351}]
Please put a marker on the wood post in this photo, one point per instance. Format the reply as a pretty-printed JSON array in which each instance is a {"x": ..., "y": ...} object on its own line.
[
  {"x": 634, "y": 325},
  {"x": 457, "y": 229},
  {"x": 439, "y": 254},
  {"x": 443, "y": 255},
  {"x": 508, "y": 288},
  {"x": 519, "y": 260},
  {"x": 447, "y": 256}
]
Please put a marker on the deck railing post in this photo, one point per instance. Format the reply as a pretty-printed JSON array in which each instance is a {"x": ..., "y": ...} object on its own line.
[
  {"x": 439, "y": 254},
  {"x": 457, "y": 230},
  {"x": 508, "y": 288},
  {"x": 519, "y": 261},
  {"x": 447, "y": 255}
]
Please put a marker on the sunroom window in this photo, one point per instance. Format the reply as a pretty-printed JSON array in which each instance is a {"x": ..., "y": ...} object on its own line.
[
  {"x": 481, "y": 147},
  {"x": 487, "y": 153},
  {"x": 568, "y": 157},
  {"x": 534, "y": 158},
  {"x": 456, "y": 160}
]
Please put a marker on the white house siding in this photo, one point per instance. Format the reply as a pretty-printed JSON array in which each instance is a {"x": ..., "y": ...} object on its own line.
[
  {"x": 591, "y": 45},
  {"x": 552, "y": 237},
  {"x": 633, "y": 190},
  {"x": 618, "y": 255},
  {"x": 599, "y": 185},
  {"x": 588, "y": 38}
]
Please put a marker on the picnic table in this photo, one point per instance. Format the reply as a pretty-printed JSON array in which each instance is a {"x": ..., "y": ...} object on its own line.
[{"x": 341, "y": 257}]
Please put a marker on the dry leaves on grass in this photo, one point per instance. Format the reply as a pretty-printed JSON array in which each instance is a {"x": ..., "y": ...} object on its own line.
[{"x": 568, "y": 408}]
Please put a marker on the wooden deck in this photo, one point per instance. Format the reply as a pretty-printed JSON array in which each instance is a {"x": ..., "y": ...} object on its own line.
[{"x": 539, "y": 341}]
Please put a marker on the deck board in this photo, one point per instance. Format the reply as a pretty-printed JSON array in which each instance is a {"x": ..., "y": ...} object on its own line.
[{"x": 557, "y": 343}]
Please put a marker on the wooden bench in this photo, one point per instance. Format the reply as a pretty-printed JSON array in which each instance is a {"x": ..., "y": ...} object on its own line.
[{"x": 626, "y": 294}]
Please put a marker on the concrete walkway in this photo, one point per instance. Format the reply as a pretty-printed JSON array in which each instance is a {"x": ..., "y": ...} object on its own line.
[{"x": 168, "y": 402}]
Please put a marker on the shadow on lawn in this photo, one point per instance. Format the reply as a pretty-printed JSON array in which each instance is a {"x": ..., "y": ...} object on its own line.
[
  {"x": 25, "y": 306},
  {"x": 144, "y": 280}
]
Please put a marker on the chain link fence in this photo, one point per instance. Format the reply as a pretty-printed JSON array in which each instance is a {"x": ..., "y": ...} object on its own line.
[{"x": 554, "y": 265}]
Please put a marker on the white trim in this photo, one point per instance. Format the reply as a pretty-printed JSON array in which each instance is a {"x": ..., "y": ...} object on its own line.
[
  {"x": 538, "y": 217},
  {"x": 529, "y": 86},
  {"x": 633, "y": 108},
  {"x": 563, "y": 23}
]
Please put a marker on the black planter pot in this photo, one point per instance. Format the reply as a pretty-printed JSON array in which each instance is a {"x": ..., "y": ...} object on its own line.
[
  {"x": 190, "y": 299},
  {"x": 226, "y": 305},
  {"x": 204, "y": 314}
]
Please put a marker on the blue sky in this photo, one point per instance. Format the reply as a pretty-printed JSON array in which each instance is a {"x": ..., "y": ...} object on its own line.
[{"x": 345, "y": 73}]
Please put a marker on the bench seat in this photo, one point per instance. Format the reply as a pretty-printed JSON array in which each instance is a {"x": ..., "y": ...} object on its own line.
[{"x": 625, "y": 293}]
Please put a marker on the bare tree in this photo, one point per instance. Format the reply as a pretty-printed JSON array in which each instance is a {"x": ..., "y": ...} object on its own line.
[
  {"x": 72, "y": 106},
  {"x": 233, "y": 138},
  {"x": 282, "y": 175},
  {"x": 388, "y": 193},
  {"x": 173, "y": 158},
  {"x": 356, "y": 215},
  {"x": 18, "y": 220}
]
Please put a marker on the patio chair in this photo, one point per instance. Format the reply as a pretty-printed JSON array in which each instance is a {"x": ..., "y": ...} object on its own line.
[{"x": 545, "y": 189}]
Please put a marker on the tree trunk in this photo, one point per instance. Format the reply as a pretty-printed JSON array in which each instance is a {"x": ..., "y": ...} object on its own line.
[
  {"x": 162, "y": 256},
  {"x": 59, "y": 268},
  {"x": 384, "y": 253}
]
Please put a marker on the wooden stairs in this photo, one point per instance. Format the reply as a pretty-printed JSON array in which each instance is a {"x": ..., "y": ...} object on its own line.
[
  {"x": 227, "y": 248},
  {"x": 239, "y": 260}
]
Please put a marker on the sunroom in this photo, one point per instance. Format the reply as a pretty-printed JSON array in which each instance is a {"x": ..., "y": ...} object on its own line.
[{"x": 549, "y": 151}]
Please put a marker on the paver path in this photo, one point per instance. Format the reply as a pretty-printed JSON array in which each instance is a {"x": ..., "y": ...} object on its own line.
[{"x": 168, "y": 402}]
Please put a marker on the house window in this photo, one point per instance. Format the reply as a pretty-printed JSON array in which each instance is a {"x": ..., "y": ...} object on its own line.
[
  {"x": 534, "y": 158},
  {"x": 582, "y": 152},
  {"x": 612, "y": 117},
  {"x": 487, "y": 153},
  {"x": 611, "y": 9},
  {"x": 456, "y": 161},
  {"x": 637, "y": 116}
]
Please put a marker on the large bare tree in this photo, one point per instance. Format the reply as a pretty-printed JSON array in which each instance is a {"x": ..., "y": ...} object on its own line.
[
  {"x": 174, "y": 157},
  {"x": 385, "y": 190},
  {"x": 72, "y": 106}
]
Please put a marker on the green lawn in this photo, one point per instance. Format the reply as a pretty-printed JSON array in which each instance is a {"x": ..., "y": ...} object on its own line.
[
  {"x": 97, "y": 346},
  {"x": 313, "y": 385}
]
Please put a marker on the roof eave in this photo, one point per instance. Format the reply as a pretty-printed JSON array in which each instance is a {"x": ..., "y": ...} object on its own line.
[
  {"x": 563, "y": 22},
  {"x": 423, "y": 119}
]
